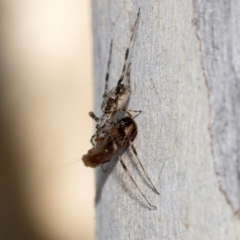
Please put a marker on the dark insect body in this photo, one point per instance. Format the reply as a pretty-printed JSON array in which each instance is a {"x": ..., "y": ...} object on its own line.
[
  {"x": 121, "y": 134},
  {"x": 106, "y": 147}
]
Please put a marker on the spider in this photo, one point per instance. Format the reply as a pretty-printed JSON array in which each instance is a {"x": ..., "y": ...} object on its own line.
[
  {"x": 115, "y": 100},
  {"x": 113, "y": 134},
  {"x": 121, "y": 134}
]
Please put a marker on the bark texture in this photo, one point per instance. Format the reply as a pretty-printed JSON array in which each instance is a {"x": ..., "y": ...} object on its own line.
[
  {"x": 185, "y": 79},
  {"x": 219, "y": 34}
]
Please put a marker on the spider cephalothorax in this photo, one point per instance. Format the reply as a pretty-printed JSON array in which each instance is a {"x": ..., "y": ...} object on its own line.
[{"x": 116, "y": 99}]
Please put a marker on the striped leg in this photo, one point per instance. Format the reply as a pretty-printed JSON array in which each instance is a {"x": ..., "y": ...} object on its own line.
[
  {"x": 107, "y": 73},
  {"x": 135, "y": 153},
  {"x": 125, "y": 168},
  {"x": 127, "y": 53}
]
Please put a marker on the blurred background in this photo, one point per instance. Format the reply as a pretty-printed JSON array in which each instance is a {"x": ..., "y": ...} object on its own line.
[{"x": 46, "y": 93}]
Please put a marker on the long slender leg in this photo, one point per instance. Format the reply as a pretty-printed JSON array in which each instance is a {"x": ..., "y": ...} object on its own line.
[
  {"x": 127, "y": 111},
  {"x": 107, "y": 73},
  {"x": 136, "y": 111},
  {"x": 129, "y": 87},
  {"x": 128, "y": 76},
  {"x": 127, "y": 53},
  {"x": 135, "y": 152},
  {"x": 125, "y": 168}
]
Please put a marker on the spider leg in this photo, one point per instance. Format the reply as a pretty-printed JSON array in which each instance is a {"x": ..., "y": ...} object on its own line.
[
  {"x": 127, "y": 88},
  {"x": 92, "y": 139},
  {"x": 128, "y": 76},
  {"x": 127, "y": 53},
  {"x": 94, "y": 117},
  {"x": 127, "y": 111},
  {"x": 136, "y": 111},
  {"x": 107, "y": 73},
  {"x": 125, "y": 168},
  {"x": 135, "y": 153}
]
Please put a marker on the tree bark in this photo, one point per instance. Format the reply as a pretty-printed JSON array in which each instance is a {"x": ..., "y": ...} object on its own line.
[{"x": 185, "y": 78}]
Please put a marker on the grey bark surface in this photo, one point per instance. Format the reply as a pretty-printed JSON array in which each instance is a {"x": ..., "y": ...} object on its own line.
[
  {"x": 219, "y": 34},
  {"x": 185, "y": 79}
]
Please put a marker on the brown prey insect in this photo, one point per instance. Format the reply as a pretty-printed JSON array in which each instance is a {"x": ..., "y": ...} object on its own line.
[{"x": 122, "y": 133}]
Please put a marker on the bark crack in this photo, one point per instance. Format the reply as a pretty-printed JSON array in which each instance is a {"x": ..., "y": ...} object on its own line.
[{"x": 196, "y": 23}]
